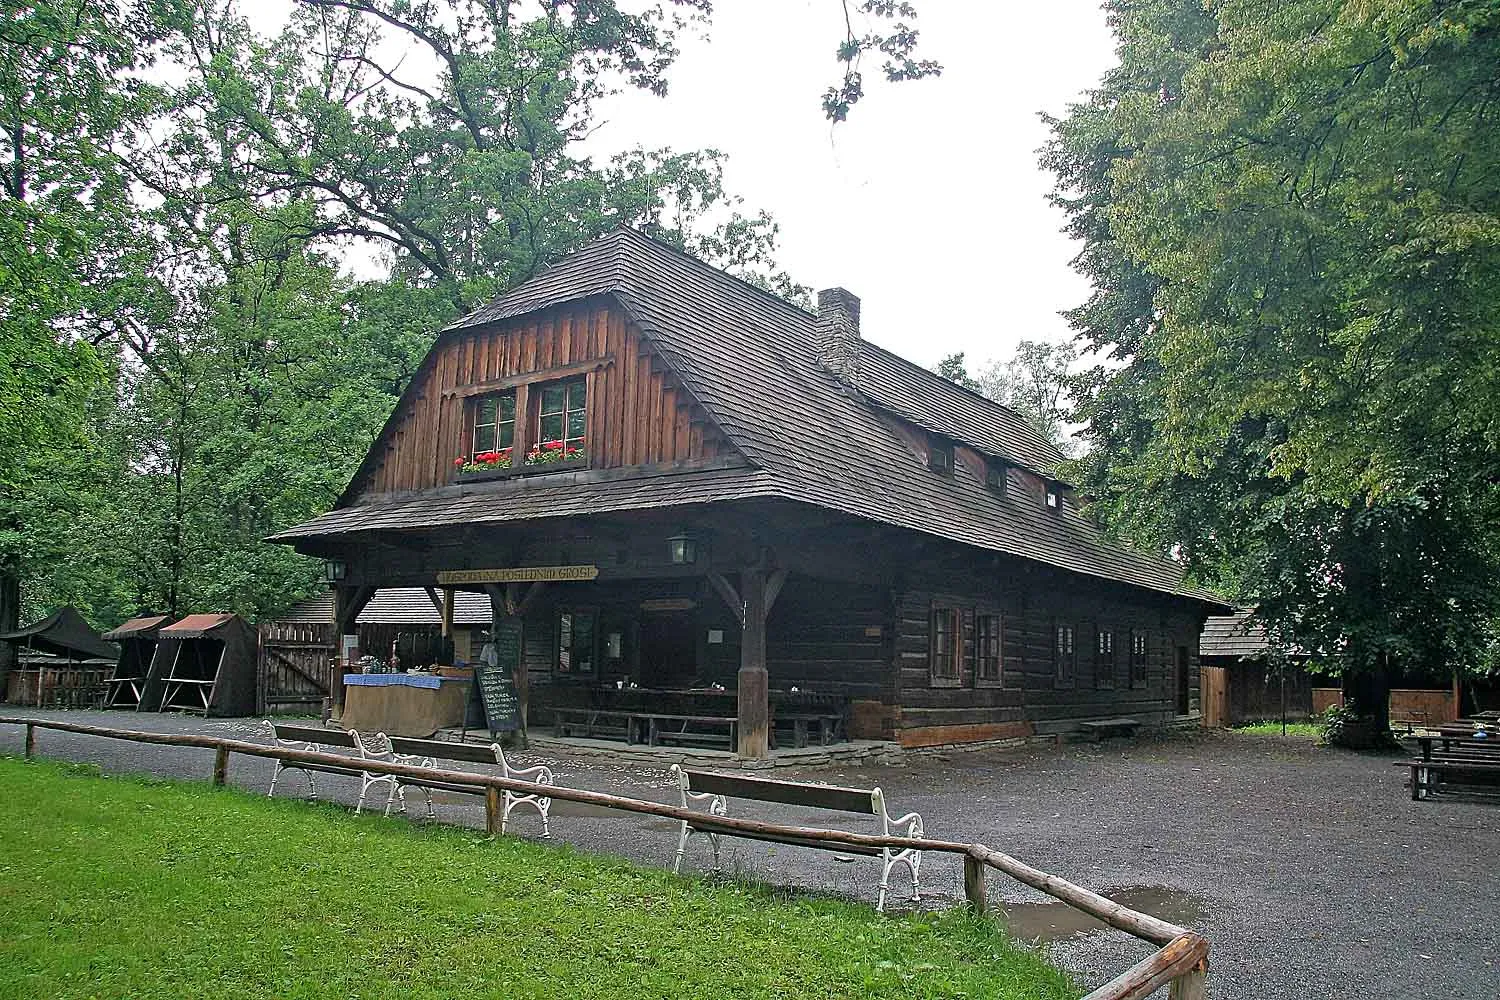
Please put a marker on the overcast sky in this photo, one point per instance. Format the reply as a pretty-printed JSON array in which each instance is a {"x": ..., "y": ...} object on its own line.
[{"x": 928, "y": 203}]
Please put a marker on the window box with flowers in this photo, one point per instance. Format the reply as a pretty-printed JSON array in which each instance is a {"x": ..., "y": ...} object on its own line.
[
  {"x": 556, "y": 453},
  {"x": 483, "y": 465}
]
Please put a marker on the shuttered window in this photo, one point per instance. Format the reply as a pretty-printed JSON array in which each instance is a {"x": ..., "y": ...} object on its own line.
[
  {"x": 1104, "y": 658},
  {"x": 1140, "y": 651},
  {"x": 989, "y": 652},
  {"x": 1064, "y": 654},
  {"x": 945, "y": 655}
]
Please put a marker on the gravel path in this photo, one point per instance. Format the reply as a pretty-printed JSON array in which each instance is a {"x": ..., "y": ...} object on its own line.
[{"x": 1311, "y": 870}]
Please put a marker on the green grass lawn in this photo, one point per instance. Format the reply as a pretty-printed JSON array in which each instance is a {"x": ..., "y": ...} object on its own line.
[
  {"x": 1301, "y": 730},
  {"x": 132, "y": 888}
]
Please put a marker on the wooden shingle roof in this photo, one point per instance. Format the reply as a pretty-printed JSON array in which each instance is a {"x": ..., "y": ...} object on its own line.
[{"x": 751, "y": 360}]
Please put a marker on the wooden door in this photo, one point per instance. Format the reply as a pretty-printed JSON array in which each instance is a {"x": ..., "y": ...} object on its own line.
[{"x": 1213, "y": 688}]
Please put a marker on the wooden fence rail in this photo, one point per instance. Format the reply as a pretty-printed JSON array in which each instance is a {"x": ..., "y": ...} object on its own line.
[{"x": 1180, "y": 962}]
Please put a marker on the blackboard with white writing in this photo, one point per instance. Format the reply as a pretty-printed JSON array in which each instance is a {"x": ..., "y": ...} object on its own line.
[{"x": 495, "y": 677}]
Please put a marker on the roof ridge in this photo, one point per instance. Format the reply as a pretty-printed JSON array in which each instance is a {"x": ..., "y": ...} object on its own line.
[
  {"x": 992, "y": 403},
  {"x": 714, "y": 269}
]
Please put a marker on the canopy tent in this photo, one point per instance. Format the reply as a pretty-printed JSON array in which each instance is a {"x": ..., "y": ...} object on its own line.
[
  {"x": 60, "y": 660},
  {"x": 203, "y": 663},
  {"x": 63, "y": 633},
  {"x": 137, "y": 639}
]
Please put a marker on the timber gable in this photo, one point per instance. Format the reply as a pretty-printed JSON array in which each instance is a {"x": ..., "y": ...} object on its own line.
[{"x": 639, "y": 413}]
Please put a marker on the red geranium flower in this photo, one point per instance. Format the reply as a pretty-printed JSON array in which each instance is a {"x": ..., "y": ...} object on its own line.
[
  {"x": 459, "y": 463},
  {"x": 552, "y": 445}
]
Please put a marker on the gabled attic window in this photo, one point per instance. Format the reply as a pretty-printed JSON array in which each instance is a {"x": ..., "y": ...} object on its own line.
[
  {"x": 1054, "y": 496},
  {"x": 996, "y": 476},
  {"x": 940, "y": 455}
]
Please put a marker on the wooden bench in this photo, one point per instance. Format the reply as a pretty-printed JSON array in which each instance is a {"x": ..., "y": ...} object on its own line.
[
  {"x": 1427, "y": 775},
  {"x": 1440, "y": 745},
  {"x": 1103, "y": 729},
  {"x": 803, "y": 724},
  {"x": 428, "y": 752},
  {"x": 713, "y": 789},
  {"x": 592, "y": 722},
  {"x": 686, "y": 729}
]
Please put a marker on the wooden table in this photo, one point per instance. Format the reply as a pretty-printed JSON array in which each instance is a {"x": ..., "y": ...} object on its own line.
[{"x": 1466, "y": 744}]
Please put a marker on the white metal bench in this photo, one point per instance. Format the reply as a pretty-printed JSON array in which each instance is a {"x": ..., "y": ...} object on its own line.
[
  {"x": 314, "y": 738},
  {"x": 713, "y": 790},
  {"x": 429, "y": 752}
]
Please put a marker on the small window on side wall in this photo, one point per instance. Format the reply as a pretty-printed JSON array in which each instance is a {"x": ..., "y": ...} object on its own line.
[
  {"x": 1140, "y": 651},
  {"x": 1054, "y": 498},
  {"x": 1064, "y": 655},
  {"x": 940, "y": 455},
  {"x": 989, "y": 651},
  {"x": 946, "y": 643},
  {"x": 1104, "y": 658}
]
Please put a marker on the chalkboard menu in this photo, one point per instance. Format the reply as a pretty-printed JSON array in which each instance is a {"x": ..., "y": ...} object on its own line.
[{"x": 495, "y": 676}]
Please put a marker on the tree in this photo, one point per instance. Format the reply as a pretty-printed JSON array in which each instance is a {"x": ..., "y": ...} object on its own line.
[
  {"x": 67, "y": 258},
  {"x": 955, "y": 369},
  {"x": 1289, "y": 215},
  {"x": 898, "y": 45},
  {"x": 1034, "y": 383}
]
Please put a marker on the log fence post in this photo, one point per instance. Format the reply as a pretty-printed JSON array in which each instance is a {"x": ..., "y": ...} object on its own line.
[
  {"x": 30, "y": 741},
  {"x": 976, "y": 887},
  {"x": 221, "y": 766},
  {"x": 492, "y": 810},
  {"x": 1193, "y": 986}
]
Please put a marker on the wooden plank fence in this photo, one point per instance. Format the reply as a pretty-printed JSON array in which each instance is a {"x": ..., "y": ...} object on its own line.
[
  {"x": 1180, "y": 961},
  {"x": 295, "y": 667}
]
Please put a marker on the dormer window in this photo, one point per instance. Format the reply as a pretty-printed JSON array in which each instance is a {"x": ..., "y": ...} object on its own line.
[
  {"x": 1054, "y": 497},
  {"x": 940, "y": 455},
  {"x": 996, "y": 476}
]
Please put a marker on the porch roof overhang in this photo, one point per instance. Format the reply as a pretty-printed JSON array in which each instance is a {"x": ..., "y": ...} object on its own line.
[{"x": 554, "y": 496}]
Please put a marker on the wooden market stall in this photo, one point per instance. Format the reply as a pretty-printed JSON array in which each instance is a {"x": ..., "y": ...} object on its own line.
[
  {"x": 60, "y": 661},
  {"x": 203, "y": 663},
  {"x": 137, "y": 640}
]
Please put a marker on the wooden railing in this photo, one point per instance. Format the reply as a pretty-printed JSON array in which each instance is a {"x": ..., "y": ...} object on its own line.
[{"x": 1180, "y": 962}]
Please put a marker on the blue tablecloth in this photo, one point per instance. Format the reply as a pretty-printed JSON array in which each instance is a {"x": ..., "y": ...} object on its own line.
[{"x": 394, "y": 680}]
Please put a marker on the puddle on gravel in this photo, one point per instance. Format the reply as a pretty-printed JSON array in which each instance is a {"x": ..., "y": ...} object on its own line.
[{"x": 1057, "y": 921}]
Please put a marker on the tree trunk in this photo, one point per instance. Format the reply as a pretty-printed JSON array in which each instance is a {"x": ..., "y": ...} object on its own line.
[
  {"x": 10, "y": 620},
  {"x": 1367, "y": 691}
]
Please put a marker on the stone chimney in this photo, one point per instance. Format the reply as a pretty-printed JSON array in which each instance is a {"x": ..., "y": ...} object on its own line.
[{"x": 838, "y": 334}]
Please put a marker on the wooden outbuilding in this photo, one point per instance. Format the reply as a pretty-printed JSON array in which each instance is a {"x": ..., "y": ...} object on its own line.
[
  {"x": 204, "y": 664},
  {"x": 60, "y": 661},
  {"x": 698, "y": 502},
  {"x": 137, "y": 642}
]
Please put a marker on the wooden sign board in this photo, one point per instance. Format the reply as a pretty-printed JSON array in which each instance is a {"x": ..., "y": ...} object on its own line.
[
  {"x": 495, "y": 677},
  {"x": 517, "y": 574}
]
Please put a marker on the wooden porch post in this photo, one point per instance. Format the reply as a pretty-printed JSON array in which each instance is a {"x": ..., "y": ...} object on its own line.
[
  {"x": 348, "y": 602},
  {"x": 754, "y": 682}
]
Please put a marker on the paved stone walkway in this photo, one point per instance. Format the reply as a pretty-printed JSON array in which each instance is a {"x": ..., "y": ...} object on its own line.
[{"x": 1311, "y": 870}]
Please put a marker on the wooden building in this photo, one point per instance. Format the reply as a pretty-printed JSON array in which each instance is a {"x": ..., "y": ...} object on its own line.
[
  {"x": 671, "y": 479},
  {"x": 1247, "y": 677}
]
